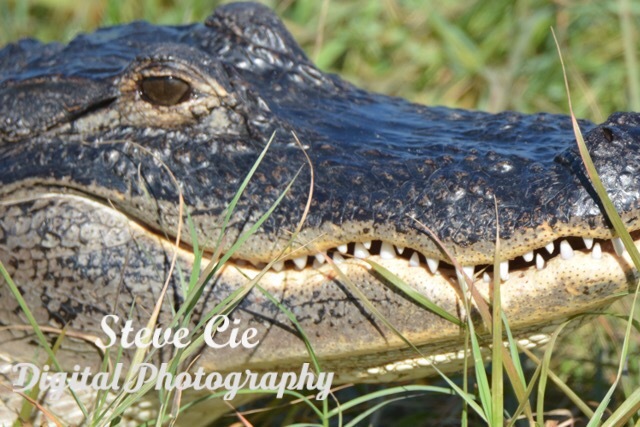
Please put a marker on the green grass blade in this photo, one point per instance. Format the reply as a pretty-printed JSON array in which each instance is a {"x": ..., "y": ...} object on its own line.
[
  {"x": 468, "y": 398},
  {"x": 514, "y": 370},
  {"x": 238, "y": 194},
  {"x": 497, "y": 385},
  {"x": 484, "y": 390},
  {"x": 36, "y": 329},
  {"x": 346, "y": 281},
  {"x": 412, "y": 293},
  {"x": 191, "y": 300},
  {"x": 544, "y": 373},
  {"x": 626, "y": 411},
  {"x": 621, "y": 231},
  {"x": 391, "y": 391},
  {"x": 292, "y": 319},
  {"x": 580, "y": 404}
]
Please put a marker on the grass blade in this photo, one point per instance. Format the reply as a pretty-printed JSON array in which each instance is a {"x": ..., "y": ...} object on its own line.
[
  {"x": 412, "y": 293},
  {"x": 497, "y": 386},
  {"x": 544, "y": 373},
  {"x": 621, "y": 231}
]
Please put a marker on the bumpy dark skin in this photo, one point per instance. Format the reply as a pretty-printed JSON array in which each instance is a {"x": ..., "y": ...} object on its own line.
[{"x": 99, "y": 138}]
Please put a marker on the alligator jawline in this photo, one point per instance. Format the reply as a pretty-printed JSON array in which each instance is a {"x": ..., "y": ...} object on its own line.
[{"x": 562, "y": 249}]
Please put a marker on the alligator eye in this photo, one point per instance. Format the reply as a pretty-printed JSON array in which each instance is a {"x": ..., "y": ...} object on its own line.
[{"x": 166, "y": 90}]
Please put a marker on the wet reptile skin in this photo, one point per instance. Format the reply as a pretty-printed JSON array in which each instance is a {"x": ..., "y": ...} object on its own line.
[{"x": 92, "y": 167}]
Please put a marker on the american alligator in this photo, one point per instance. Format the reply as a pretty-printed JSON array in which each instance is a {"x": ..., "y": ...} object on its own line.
[{"x": 101, "y": 138}]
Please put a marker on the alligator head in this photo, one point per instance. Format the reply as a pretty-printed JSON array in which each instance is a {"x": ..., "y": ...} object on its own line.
[{"x": 102, "y": 139}]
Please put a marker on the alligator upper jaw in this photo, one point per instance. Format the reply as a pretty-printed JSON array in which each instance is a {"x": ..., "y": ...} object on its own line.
[
  {"x": 303, "y": 255},
  {"x": 378, "y": 250}
]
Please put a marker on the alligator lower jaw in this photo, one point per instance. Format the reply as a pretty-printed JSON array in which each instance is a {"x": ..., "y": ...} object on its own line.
[
  {"x": 534, "y": 301},
  {"x": 579, "y": 273},
  {"x": 357, "y": 346}
]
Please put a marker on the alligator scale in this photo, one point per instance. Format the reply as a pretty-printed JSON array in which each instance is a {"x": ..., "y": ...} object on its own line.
[{"x": 102, "y": 139}]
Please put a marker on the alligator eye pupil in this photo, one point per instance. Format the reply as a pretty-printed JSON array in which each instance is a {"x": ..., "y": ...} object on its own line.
[{"x": 165, "y": 91}]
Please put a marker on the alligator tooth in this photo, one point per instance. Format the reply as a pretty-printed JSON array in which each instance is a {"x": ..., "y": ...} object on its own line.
[
  {"x": 550, "y": 247},
  {"x": 566, "y": 251},
  {"x": 486, "y": 278},
  {"x": 588, "y": 242},
  {"x": 468, "y": 272},
  {"x": 596, "y": 253},
  {"x": 414, "y": 261},
  {"x": 400, "y": 249},
  {"x": 278, "y": 266},
  {"x": 258, "y": 265},
  {"x": 528, "y": 257},
  {"x": 504, "y": 270},
  {"x": 337, "y": 258},
  {"x": 343, "y": 249},
  {"x": 539, "y": 262},
  {"x": 360, "y": 251},
  {"x": 320, "y": 257},
  {"x": 316, "y": 263},
  {"x": 300, "y": 262},
  {"x": 433, "y": 265},
  {"x": 367, "y": 244},
  {"x": 387, "y": 251},
  {"x": 618, "y": 246},
  {"x": 462, "y": 282}
]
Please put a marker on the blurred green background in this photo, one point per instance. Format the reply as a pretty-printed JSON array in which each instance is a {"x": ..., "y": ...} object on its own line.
[{"x": 489, "y": 55}]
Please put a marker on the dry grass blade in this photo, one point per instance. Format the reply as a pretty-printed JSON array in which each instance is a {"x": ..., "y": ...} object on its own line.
[
  {"x": 481, "y": 304},
  {"x": 140, "y": 353},
  {"x": 513, "y": 367},
  {"x": 36, "y": 404}
]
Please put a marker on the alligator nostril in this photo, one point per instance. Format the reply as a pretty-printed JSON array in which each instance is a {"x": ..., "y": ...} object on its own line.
[{"x": 608, "y": 133}]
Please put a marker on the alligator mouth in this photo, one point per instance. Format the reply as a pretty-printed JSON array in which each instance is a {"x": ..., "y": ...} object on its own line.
[
  {"x": 542, "y": 287},
  {"x": 563, "y": 249}
]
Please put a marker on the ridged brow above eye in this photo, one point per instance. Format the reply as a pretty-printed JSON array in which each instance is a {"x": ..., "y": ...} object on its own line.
[{"x": 164, "y": 90}]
